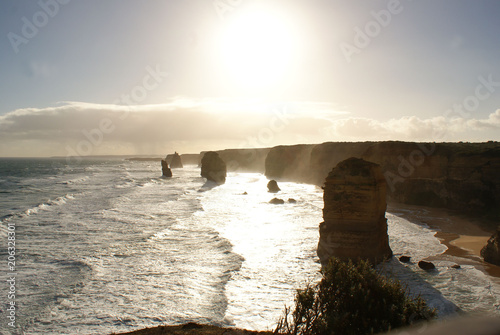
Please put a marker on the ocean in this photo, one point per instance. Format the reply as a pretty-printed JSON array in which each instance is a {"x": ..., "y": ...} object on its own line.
[{"x": 108, "y": 245}]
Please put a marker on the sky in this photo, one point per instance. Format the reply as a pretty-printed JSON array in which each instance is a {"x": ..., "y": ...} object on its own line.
[{"x": 133, "y": 77}]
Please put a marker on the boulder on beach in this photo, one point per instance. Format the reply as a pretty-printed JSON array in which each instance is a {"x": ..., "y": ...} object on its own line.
[
  {"x": 354, "y": 224},
  {"x": 165, "y": 169},
  {"x": 491, "y": 251},
  {"x": 176, "y": 162},
  {"x": 427, "y": 266},
  {"x": 273, "y": 187},
  {"x": 277, "y": 201},
  {"x": 213, "y": 167},
  {"x": 404, "y": 259}
]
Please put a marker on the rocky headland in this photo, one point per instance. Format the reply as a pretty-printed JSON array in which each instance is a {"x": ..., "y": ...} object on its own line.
[{"x": 354, "y": 224}]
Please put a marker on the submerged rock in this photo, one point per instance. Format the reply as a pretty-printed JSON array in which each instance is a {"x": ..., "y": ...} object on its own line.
[
  {"x": 427, "y": 266},
  {"x": 277, "y": 201},
  {"x": 273, "y": 187},
  {"x": 491, "y": 251},
  {"x": 292, "y": 200},
  {"x": 354, "y": 224},
  {"x": 165, "y": 169},
  {"x": 176, "y": 162},
  {"x": 213, "y": 167}
]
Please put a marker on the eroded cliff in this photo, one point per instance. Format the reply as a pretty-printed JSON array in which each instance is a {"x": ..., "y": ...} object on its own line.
[{"x": 462, "y": 176}]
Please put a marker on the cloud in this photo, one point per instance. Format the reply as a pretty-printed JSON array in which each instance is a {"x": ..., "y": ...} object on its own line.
[
  {"x": 493, "y": 122},
  {"x": 412, "y": 128},
  {"x": 192, "y": 125},
  {"x": 189, "y": 125}
]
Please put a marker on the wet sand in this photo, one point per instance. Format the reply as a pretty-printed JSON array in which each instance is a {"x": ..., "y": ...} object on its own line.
[{"x": 463, "y": 236}]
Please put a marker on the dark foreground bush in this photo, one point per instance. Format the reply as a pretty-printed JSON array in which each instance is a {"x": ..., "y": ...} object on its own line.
[{"x": 352, "y": 299}]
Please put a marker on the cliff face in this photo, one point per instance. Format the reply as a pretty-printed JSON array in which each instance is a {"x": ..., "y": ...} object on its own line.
[
  {"x": 191, "y": 159},
  {"x": 244, "y": 160},
  {"x": 461, "y": 176},
  {"x": 452, "y": 175},
  {"x": 289, "y": 163},
  {"x": 327, "y": 155},
  {"x": 354, "y": 224}
]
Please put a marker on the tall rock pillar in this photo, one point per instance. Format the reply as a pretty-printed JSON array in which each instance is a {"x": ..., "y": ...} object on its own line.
[
  {"x": 213, "y": 167},
  {"x": 354, "y": 224},
  {"x": 165, "y": 169}
]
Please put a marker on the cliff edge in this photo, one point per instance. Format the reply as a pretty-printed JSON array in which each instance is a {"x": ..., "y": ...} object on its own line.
[{"x": 461, "y": 176}]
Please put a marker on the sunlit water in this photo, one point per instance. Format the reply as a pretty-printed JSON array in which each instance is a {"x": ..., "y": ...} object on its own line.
[{"x": 110, "y": 246}]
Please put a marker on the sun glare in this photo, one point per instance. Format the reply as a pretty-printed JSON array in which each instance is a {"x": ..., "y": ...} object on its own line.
[{"x": 258, "y": 47}]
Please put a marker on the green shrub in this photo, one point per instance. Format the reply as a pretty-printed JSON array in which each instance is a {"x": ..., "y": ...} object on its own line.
[{"x": 352, "y": 298}]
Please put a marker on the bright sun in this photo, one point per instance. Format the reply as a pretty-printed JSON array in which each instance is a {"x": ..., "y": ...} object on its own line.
[{"x": 258, "y": 47}]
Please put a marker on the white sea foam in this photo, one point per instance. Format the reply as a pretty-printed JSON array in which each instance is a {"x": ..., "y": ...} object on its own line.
[
  {"x": 76, "y": 180},
  {"x": 157, "y": 251}
]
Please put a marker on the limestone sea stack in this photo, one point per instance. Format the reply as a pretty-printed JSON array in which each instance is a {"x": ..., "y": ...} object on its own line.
[
  {"x": 354, "y": 224},
  {"x": 176, "y": 162},
  {"x": 491, "y": 251},
  {"x": 165, "y": 169},
  {"x": 213, "y": 167}
]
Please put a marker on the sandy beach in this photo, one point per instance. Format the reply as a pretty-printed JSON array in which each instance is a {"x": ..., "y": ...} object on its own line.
[{"x": 464, "y": 236}]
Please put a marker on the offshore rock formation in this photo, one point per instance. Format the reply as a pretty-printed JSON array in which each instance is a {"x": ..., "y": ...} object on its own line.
[
  {"x": 354, "y": 224},
  {"x": 273, "y": 187},
  {"x": 165, "y": 169},
  {"x": 491, "y": 251},
  {"x": 176, "y": 162},
  {"x": 213, "y": 168}
]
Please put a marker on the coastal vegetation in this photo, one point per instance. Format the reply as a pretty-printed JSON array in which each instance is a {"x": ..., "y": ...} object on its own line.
[{"x": 352, "y": 298}]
